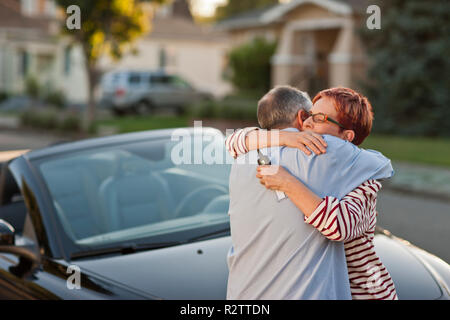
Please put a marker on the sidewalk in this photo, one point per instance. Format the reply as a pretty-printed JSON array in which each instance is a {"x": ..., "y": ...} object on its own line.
[{"x": 422, "y": 180}]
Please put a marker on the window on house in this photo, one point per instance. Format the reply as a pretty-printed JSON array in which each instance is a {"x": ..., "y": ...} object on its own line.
[
  {"x": 24, "y": 63},
  {"x": 162, "y": 62},
  {"x": 67, "y": 52}
]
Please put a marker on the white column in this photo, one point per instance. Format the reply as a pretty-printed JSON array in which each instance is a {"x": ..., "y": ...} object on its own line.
[{"x": 340, "y": 58}]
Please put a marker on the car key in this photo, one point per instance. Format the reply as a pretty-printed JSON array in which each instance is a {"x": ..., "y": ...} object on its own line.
[{"x": 264, "y": 160}]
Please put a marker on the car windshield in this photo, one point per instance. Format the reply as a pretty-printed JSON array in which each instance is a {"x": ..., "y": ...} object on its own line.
[{"x": 140, "y": 192}]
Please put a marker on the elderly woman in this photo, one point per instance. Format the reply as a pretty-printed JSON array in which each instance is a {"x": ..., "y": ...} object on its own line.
[{"x": 346, "y": 114}]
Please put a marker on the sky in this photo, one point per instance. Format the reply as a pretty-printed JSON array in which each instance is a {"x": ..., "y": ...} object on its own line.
[{"x": 206, "y": 7}]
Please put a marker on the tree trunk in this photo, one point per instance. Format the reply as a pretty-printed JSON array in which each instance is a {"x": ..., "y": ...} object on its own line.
[{"x": 89, "y": 113}]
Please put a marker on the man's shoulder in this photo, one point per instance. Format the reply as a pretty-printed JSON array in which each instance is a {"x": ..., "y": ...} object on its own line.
[
  {"x": 335, "y": 144},
  {"x": 335, "y": 147}
]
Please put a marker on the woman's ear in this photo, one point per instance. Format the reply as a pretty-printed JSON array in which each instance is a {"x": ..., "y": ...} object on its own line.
[{"x": 349, "y": 135}]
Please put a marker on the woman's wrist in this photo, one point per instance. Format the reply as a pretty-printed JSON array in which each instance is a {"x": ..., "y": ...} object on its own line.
[
  {"x": 283, "y": 138},
  {"x": 289, "y": 184}
]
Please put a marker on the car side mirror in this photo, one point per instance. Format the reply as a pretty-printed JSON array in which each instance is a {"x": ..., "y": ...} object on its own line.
[
  {"x": 7, "y": 234},
  {"x": 7, "y": 243}
]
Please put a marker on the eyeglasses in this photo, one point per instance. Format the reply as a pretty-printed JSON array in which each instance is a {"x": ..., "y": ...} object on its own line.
[{"x": 322, "y": 118}]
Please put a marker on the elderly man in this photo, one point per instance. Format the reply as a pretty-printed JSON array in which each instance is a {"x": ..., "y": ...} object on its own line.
[{"x": 275, "y": 254}]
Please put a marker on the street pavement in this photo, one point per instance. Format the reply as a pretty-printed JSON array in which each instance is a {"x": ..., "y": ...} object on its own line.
[{"x": 421, "y": 220}]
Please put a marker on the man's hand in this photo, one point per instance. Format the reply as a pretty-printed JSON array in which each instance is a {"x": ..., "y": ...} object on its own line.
[
  {"x": 274, "y": 177},
  {"x": 302, "y": 140}
]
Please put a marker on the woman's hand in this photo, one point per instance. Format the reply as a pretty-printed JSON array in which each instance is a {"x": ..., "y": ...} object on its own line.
[
  {"x": 303, "y": 139},
  {"x": 274, "y": 177}
]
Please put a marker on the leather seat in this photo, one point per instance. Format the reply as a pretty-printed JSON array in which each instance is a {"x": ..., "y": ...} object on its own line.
[
  {"x": 218, "y": 205},
  {"x": 75, "y": 193},
  {"x": 135, "y": 196}
]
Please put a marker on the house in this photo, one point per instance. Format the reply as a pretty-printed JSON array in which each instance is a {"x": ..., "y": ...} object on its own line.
[
  {"x": 176, "y": 44},
  {"x": 318, "y": 43},
  {"x": 31, "y": 47}
]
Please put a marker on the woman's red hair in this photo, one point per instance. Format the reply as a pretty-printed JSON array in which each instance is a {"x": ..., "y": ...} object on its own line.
[{"x": 354, "y": 111}]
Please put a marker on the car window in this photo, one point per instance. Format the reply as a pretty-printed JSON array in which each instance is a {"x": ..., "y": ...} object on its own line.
[
  {"x": 134, "y": 79},
  {"x": 180, "y": 83},
  {"x": 137, "y": 191},
  {"x": 158, "y": 80}
]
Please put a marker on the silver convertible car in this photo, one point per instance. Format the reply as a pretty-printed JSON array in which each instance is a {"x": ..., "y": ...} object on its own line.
[{"x": 140, "y": 216}]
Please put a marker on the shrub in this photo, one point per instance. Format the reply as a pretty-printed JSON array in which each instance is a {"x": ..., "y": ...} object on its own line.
[
  {"x": 228, "y": 108},
  {"x": 51, "y": 119},
  {"x": 70, "y": 123},
  {"x": 32, "y": 87},
  {"x": 249, "y": 65},
  {"x": 56, "y": 99}
]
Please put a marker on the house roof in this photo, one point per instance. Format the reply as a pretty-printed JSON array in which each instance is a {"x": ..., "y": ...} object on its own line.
[
  {"x": 275, "y": 13},
  {"x": 183, "y": 29},
  {"x": 11, "y": 17}
]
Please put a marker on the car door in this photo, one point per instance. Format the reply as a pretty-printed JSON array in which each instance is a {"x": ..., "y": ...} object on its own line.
[
  {"x": 160, "y": 92},
  {"x": 17, "y": 274},
  {"x": 182, "y": 91}
]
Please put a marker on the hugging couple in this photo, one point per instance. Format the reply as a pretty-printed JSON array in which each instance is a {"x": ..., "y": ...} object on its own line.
[{"x": 313, "y": 238}]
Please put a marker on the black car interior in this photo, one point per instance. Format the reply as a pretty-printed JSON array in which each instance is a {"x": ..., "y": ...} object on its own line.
[{"x": 12, "y": 204}]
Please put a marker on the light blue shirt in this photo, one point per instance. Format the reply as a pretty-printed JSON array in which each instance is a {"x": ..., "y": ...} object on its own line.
[{"x": 275, "y": 254}]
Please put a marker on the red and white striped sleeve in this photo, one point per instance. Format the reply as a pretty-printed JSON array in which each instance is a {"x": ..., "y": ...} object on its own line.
[
  {"x": 349, "y": 218},
  {"x": 235, "y": 142}
]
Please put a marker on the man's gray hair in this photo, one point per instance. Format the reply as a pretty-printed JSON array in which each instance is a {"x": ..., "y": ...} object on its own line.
[{"x": 279, "y": 107}]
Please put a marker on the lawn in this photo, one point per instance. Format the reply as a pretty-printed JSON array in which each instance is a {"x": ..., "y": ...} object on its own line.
[
  {"x": 140, "y": 123},
  {"x": 431, "y": 151}
]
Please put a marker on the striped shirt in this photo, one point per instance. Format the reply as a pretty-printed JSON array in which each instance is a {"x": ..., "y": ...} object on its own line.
[{"x": 351, "y": 220}]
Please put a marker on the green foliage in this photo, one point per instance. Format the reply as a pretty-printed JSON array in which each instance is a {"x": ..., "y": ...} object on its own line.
[
  {"x": 232, "y": 107},
  {"x": 140, "y": 123},
  {"x": 32, "y": 87},
  {"x": 422, "y": 150},
  {"x": 43, "y": 119},
  {"x": 56, "y": 98},
  {"x": 233, "y": 7},
  {"x": 108, "y": 26},
  {"x": 3, "y": 96},
  {"x": 70, "y": 123},
  {"x": 51, "y": 119},
  {"x": 249, "y": 65},
  {"x": 409, "y": 75}
]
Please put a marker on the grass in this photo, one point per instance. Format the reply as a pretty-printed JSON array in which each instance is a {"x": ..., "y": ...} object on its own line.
[
  {"x": 140, "y": 123},
  {"x": 431, "y": 151}
]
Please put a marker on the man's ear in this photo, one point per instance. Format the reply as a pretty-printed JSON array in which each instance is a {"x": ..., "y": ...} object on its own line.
[
  {"x": 300, "y": 116},
  {"x": 349, "y": 135}
]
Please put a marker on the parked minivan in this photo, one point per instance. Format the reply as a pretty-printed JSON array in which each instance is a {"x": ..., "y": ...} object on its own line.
[{"x": 142, "y": 92}]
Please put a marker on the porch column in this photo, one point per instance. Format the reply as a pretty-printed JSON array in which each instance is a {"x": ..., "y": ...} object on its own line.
[
  {"x": 340, "y": 59},
  {"x": 281, "y": 60}
]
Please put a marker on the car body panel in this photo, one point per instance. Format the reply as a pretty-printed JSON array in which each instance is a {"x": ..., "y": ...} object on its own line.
[{"x": 192, "y": 271}]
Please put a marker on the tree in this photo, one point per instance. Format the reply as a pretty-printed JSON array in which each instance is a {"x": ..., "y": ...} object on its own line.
[
  {"x": 409, "y": 73},
  {"x": 108, "y": 27},
  {"x": 233, "y": 7},
  {"x": 249, "y": 65}
]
